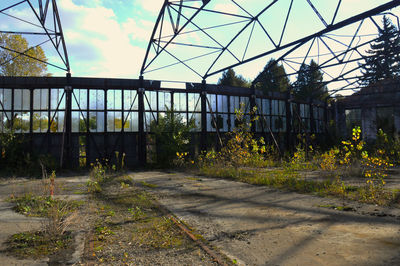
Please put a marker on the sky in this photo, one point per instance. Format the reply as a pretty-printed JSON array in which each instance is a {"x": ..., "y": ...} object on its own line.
[{"x": 109, "y": 38}]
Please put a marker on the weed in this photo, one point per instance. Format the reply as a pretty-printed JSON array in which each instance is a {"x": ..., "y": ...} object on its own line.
[
  {"x": 143, "y": 183},
  {"x": 39, "y": 206},
  {"x": 136, "y": 213},
  {"x": 96, "y": 177},
  {"x": 159, "y": 232},
  {"x": 36, "y": 244}
]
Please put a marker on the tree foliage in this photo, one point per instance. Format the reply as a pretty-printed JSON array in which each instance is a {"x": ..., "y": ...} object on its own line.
[
  {"x": 309, "y": 84},
  {"x": 230, "y": 78},
  {"x": 272, "y": 78},
  {"x": 14, "y": 64},
  {"x": 383, "y": 57}
]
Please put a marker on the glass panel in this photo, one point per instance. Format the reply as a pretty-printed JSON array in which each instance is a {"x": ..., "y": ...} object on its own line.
[
  {"x": 212, "y": 100},
  {"x": 132, "y": 122},
  {"x": 57, "y": 125},
  {"x": 118, "y": 100},
  {"x": 26, "y": 100},
  {"x": 18, "y": 99},
  {"x": 114, "y": 121},
  {"x": 197, "y": 120},
  {"x": 21, "y": 122},
  {"x": 259, "y": 105},
  {"x": 39, "y": 122},
  {"x": 210, "y": 123},
  {"x": 110, "y": 121},
  {"x": 7, "y": 99},
  {"x": 219, "y": 104},
  {"x": 282, "y": 108},
  {"x": 75, "y": 121},
  {"x": 150, "y": 100},
  {"x": 131, "y": 100},
  {"x": 57, "y": 97},
  {"x": 96, "y": 99},
  {"x": 148, "y": 119},
  {"x": 44, "y": 99},
  {"x": 266, "y": 106},
  {"x": 176, "y": 102},
  {"x": 111, "y": 100},
  {"x": 193, "y": 99},
  {"x": 36, "y": 99},
  {"x": 182, "y": 102},
  {"x": 83, "y": 99},
  {"x": 100, "y": 122},
  {"x": 96, "y": 121},
  {"x": 161, "y": 101},
  {"x": 274, "y": 107},
  {"x": 225, "y": 123}
]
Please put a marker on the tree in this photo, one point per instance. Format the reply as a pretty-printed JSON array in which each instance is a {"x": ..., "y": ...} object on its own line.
[
  {"x": 383, "y": 57},
  {"x": 309, "y": 84},
  {"x": 14, "y": 64},
  {"x": 272, "y": 78},
  {"x": 172, "y": 135},
  {"x": 229, "y": 78}
]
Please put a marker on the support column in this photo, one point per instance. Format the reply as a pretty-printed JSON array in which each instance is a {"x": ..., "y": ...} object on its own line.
[
  {"x": 312, "y": 118},
  {"x": 203, "y": 95},
  {"x": 397, "y": 120},
  {"x": 142, "y": 153},
  {"x": 368, "y": 123},
  {"x": 340, "y": 119},
  {"x": 288, "y": 101},
  {"x": 67, "y": 151}
]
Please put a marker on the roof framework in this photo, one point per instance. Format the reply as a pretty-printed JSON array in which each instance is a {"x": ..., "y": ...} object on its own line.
[
  {"x": 208, "y": 37},
  {"x": 40, "y": 20}
]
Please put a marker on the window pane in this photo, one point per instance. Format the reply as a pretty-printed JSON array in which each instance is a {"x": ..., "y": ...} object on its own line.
[
  {"x": 7, "y": 99},
  {"x": 110, "y": 99},
  {"x": 21, "y": 122},
  {"x": 57, "y": 125},
  {"x": 96, "y": 99},
  {"x": 18, "y": 99},
  {"x": 118, "y": 100},
  {"x": 130, "y": 100}
]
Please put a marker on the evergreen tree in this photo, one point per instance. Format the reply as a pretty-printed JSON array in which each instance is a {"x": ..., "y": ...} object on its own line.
[
  {"x": 14, "y": 64},
  {"x": 309, "y": 84},
  {"x": 272, "y": 78},
  {"x": 229, "y": 78},
  {"x": 383, "y": 57}
]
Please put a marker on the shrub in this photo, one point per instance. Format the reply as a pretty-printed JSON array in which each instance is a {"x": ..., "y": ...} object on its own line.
[{"x": 172, "y": 136}]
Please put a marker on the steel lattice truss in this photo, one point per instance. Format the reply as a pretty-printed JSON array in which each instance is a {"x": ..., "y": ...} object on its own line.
[
  {"x": 210, "y": 36},
  {"x": 40, "y": 22}
]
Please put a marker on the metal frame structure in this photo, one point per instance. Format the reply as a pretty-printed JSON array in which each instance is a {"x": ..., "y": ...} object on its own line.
[
  {"x": 173, "y": 24},
  {"x": 47, "y": 23}
]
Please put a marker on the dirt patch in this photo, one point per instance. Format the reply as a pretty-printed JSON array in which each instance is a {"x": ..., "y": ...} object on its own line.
[{"x": 261, "y": 226}]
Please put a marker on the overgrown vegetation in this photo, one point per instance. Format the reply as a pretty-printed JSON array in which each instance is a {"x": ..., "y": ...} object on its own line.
[
  {"x": 55, "y": 235},
  {"x": 245, "y": 158},
  {"x": 172, "y": 137},
  {"x": 129, "y": 220},
  {"x": 15, "y": 158}
]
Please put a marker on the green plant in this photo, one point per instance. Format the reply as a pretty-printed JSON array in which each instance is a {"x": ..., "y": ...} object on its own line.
[
  {"x": 328, "y": 162},
  {"x": 172, "y": 136},
  {"x": 36, "y": 244},
  {"x": 97, "y": 176},
  {"x": 241, "y": 149}
]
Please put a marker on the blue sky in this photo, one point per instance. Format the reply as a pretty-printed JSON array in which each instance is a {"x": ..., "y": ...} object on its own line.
[{"x": 108, "y": 38}]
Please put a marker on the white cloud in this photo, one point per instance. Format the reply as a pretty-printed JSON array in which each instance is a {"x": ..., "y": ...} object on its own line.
[
  {"x": 153, "y": 6},
  {"x": 95, "y": 30}
]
